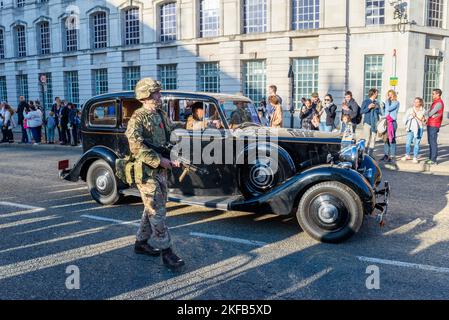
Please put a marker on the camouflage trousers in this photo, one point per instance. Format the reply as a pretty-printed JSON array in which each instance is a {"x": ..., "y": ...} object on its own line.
[{"x": 152, "y": 225}]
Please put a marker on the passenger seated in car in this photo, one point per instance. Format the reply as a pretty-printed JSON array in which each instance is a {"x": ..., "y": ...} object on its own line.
[{"x": 196, "y": 120}]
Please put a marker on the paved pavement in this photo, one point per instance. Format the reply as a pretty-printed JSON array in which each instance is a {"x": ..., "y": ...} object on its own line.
[{"x": 47, "y": 225}]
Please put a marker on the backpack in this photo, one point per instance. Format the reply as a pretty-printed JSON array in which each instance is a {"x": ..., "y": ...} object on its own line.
[{"x": 358, "y": 118}]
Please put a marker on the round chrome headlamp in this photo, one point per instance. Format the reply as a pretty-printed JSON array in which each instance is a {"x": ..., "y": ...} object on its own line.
[{"x": 349, "y": 154}]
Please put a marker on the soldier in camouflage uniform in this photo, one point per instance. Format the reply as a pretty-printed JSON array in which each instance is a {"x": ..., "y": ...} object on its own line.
[{"x": 151, "y": 124}]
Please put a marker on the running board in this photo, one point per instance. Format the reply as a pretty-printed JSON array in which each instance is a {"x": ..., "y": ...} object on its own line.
[{"x": 219, "y": 203}]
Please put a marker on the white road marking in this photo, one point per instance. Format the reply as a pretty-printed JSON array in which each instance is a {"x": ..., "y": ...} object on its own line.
[
  {"x": 67, "y": 190},
  {"x": 66, "y": 198},
  {"x": 404, "y": 264},
  {"x": 29, "y": 209},
  {"x": 19, "y": 205},
  {"x": 64, "y": 257},
  {"x": 195, "y": 234},
  {"x": 27, "y": 221},
  {"x": 229, "y": 239},
  {"x": 121, "y": 222},
  {"x": 72, "y": 204}
]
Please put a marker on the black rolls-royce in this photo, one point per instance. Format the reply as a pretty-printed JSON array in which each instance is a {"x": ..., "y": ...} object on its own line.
[{"x": 328, "y": 187}]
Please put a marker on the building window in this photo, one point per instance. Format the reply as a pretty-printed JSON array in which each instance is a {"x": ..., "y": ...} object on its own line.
[
  {"x": 2, "y": 44},
  {"x": 21, "y": 48},
  {"x": 22, "y": 86},
  {"x": 3, "y": 90},
  {"x": 168, "y": 76},
  {"x": 374, "y": 71},
  {"x": 432, "y": 76},
  {"x": 209, "y": 77},
  {"x": 71, "y": 85},
  {"x": 254, "y": 16},
  {"x": 131, "y": 75},
  {"x": 306, "y": 14},
  {"x": 44, "y": 37},
  {"x": 100, "y": 81},
  {"x": 375, "y": 12},
  {"x": 71, "y": 34},
  {"x": 99, "y": 29},
  {"x": 209, "y": 18},
  {"x": 254, "y": 80},
  {"x": 306, "y": 78},
  {"x": 49, "y": 91},
  {"x": 168, "y": 22},
  {"x": 132, "y": 26},
  {"x": 435, "y": 9},
  {"x": 20, "y": 3}
]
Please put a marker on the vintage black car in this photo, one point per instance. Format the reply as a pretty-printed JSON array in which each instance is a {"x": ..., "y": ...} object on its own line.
[{"x": 329, "y": 188}]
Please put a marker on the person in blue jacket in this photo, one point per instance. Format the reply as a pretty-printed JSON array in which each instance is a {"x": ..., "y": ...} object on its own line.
[
  {"x": 371, "y": 112},
  {"x": 391, "y": 114}
]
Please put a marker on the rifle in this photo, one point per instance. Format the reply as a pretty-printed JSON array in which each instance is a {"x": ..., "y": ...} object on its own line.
[{"x": 165, "y": 151}]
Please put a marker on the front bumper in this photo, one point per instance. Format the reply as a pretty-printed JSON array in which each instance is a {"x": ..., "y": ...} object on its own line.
[{"x": 382, "y": 202}]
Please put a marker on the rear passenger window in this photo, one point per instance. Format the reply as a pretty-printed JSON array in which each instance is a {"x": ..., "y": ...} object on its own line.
[{"x": 103, "y": 115}]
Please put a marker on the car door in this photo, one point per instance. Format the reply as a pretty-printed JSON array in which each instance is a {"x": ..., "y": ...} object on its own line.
[{"x": 216, "y": 178}]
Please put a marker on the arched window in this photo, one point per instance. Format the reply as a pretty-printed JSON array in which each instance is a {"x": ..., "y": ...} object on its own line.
[
  {"x": 43, "y": 37},
  {"x": 168, "y": 22},
  {"x": 131, "y": 26},
  {"x": 99, "y": 30}
]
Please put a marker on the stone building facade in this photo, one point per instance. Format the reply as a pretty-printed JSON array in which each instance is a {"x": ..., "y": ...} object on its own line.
[{"x": 91, "y": 47}]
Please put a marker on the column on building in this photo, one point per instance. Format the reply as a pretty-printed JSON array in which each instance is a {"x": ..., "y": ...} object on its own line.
[
  {"x": 84, "y": 77},
  {"x": 230, "y": 67},
  {"x": 34, "y": 91},
  {"x": 186, "y": 67},
  {"x": 115, "y": 60}
]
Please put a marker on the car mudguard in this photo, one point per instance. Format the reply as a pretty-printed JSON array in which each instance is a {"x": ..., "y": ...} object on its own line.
[
  {"x": 282, "y": 199},
  {"x": 96, "y": 153}
]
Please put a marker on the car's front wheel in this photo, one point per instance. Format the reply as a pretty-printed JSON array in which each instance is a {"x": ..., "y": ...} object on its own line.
[
  {"x": 330, "y": 212},
  {"x": 102, "y": 183}
]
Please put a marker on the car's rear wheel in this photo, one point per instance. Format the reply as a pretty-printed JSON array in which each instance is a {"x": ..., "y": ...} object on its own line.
[
  {"x": 102, "y": 183},
  {"x": 330, "y": 212}
]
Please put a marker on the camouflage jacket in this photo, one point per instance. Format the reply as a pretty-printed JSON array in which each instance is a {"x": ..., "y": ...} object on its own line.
[{"x": 146, "y": 125}]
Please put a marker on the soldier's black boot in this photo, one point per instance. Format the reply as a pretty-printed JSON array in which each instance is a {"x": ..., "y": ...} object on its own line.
[
  {"x": 142, "y": 247},
  {"x": 171, "y": 260}
]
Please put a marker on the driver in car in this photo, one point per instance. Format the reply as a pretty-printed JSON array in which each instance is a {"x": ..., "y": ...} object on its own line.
[{"x": 239, "y": 115}]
